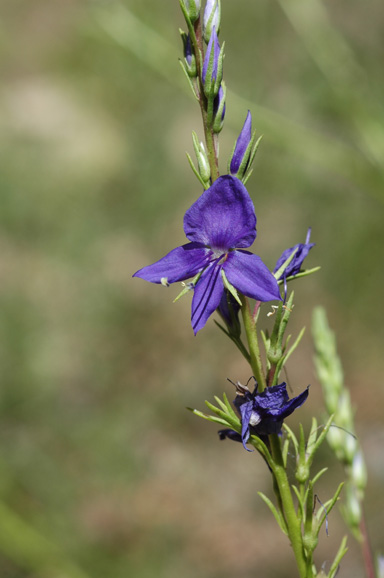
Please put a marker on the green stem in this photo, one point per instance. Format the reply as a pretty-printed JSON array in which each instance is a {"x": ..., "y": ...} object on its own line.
[
  {"x": 290, "y": 515},
  {"x": 253, "y": 344},
  {"x": 210, "y": 140}
]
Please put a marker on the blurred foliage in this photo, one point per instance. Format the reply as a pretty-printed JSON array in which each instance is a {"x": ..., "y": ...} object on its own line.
[{"x": 102, "y": 472}]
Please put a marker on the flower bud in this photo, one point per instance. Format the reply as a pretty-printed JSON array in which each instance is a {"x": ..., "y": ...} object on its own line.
[
  {"x": 203, "y": 163},
  {"x": 212, "y": 74},
  {"x": 189, "y": 56},
  {"x": 202, "y": 160},
  {"x": 219, "y": 109},
  {"x": 192, "y": 8},
  {"x": 241, "y": 153},
  {"x": 211, "y": 19}
]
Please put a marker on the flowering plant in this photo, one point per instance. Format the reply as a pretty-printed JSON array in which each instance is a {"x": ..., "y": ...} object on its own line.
[{"x": 227, "y": 279}]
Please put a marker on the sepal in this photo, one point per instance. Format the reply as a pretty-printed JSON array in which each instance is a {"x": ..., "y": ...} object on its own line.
[{"x": 276, "y": 513}]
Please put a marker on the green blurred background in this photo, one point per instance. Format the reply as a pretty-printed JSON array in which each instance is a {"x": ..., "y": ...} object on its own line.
[{"x": 102, "y": 471}]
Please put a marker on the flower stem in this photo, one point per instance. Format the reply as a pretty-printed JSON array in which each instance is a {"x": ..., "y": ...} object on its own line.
[
  {"x": 290, "y": 515},
  {"x": 253, "y": 343},
  {"x": 210, "y": 139}
]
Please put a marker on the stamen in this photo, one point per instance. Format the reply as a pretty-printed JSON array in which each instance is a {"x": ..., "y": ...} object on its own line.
[{"x": 274, "y": 307}]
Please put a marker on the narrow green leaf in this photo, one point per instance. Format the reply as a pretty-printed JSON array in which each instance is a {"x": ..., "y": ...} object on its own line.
[
  {"x": 229, "y": 407},
  {"x": 221, "y": 403},
  {"x": 300, "y": 500},
  {"x": 294, "y": 346},
  {"x": 188, "y": 287},
  {"x": 278, "y": 517},
  {"x": 318, "y": 475},
  {"x": 262, "y": 448},
  {"x": 302, "y": 444},
  {"x": 208, "y": 417},
  {"x": 301, "y": 274},
  {"x": 222, "y": 328},
  {"x": 283, "y": 267},
  {"x": 189, "y": 79},
  {"x": 328, "y": 506},
  {"x": 312, "y": 437},
  {"x": 234, "y": 423},
  {"x": 340, "y": 554},
  {"x": 230, "y": 288},
  {"x": 285, "y": 450},
  {"x": 319, "y": 441},
  {"x": 292, "y": 437}
]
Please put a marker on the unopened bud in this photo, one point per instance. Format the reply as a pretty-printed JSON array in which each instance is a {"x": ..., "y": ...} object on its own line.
[
  {"x": 212, "y": 67},
  {"x": 203, "y": 163},
  {"x": 241, "y": 152},
  {"x": 192, "y": 8},
  {"x": 219, "y": 109},
  {"x": 189, "y": 56},
  {"x": 212, "y": 16}
]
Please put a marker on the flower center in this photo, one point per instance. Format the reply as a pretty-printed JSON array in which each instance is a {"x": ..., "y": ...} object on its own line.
[{"x": 219, "y": 255}]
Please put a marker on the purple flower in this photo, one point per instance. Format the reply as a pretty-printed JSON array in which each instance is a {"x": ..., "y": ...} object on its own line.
[
  {"x": 241, "y": 146},
  {"x": 219, "y": 226},
  {"x": 212, "y": 66},
  {"x": 295, "y": 265},
  {"x": 263, "y": 414}
]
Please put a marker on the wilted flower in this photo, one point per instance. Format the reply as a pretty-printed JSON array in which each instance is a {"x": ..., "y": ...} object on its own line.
[
  {"x": 220, "y": 225},
  {"x": 263, "y": 414},
  {"x": 294, "y": 267}
]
